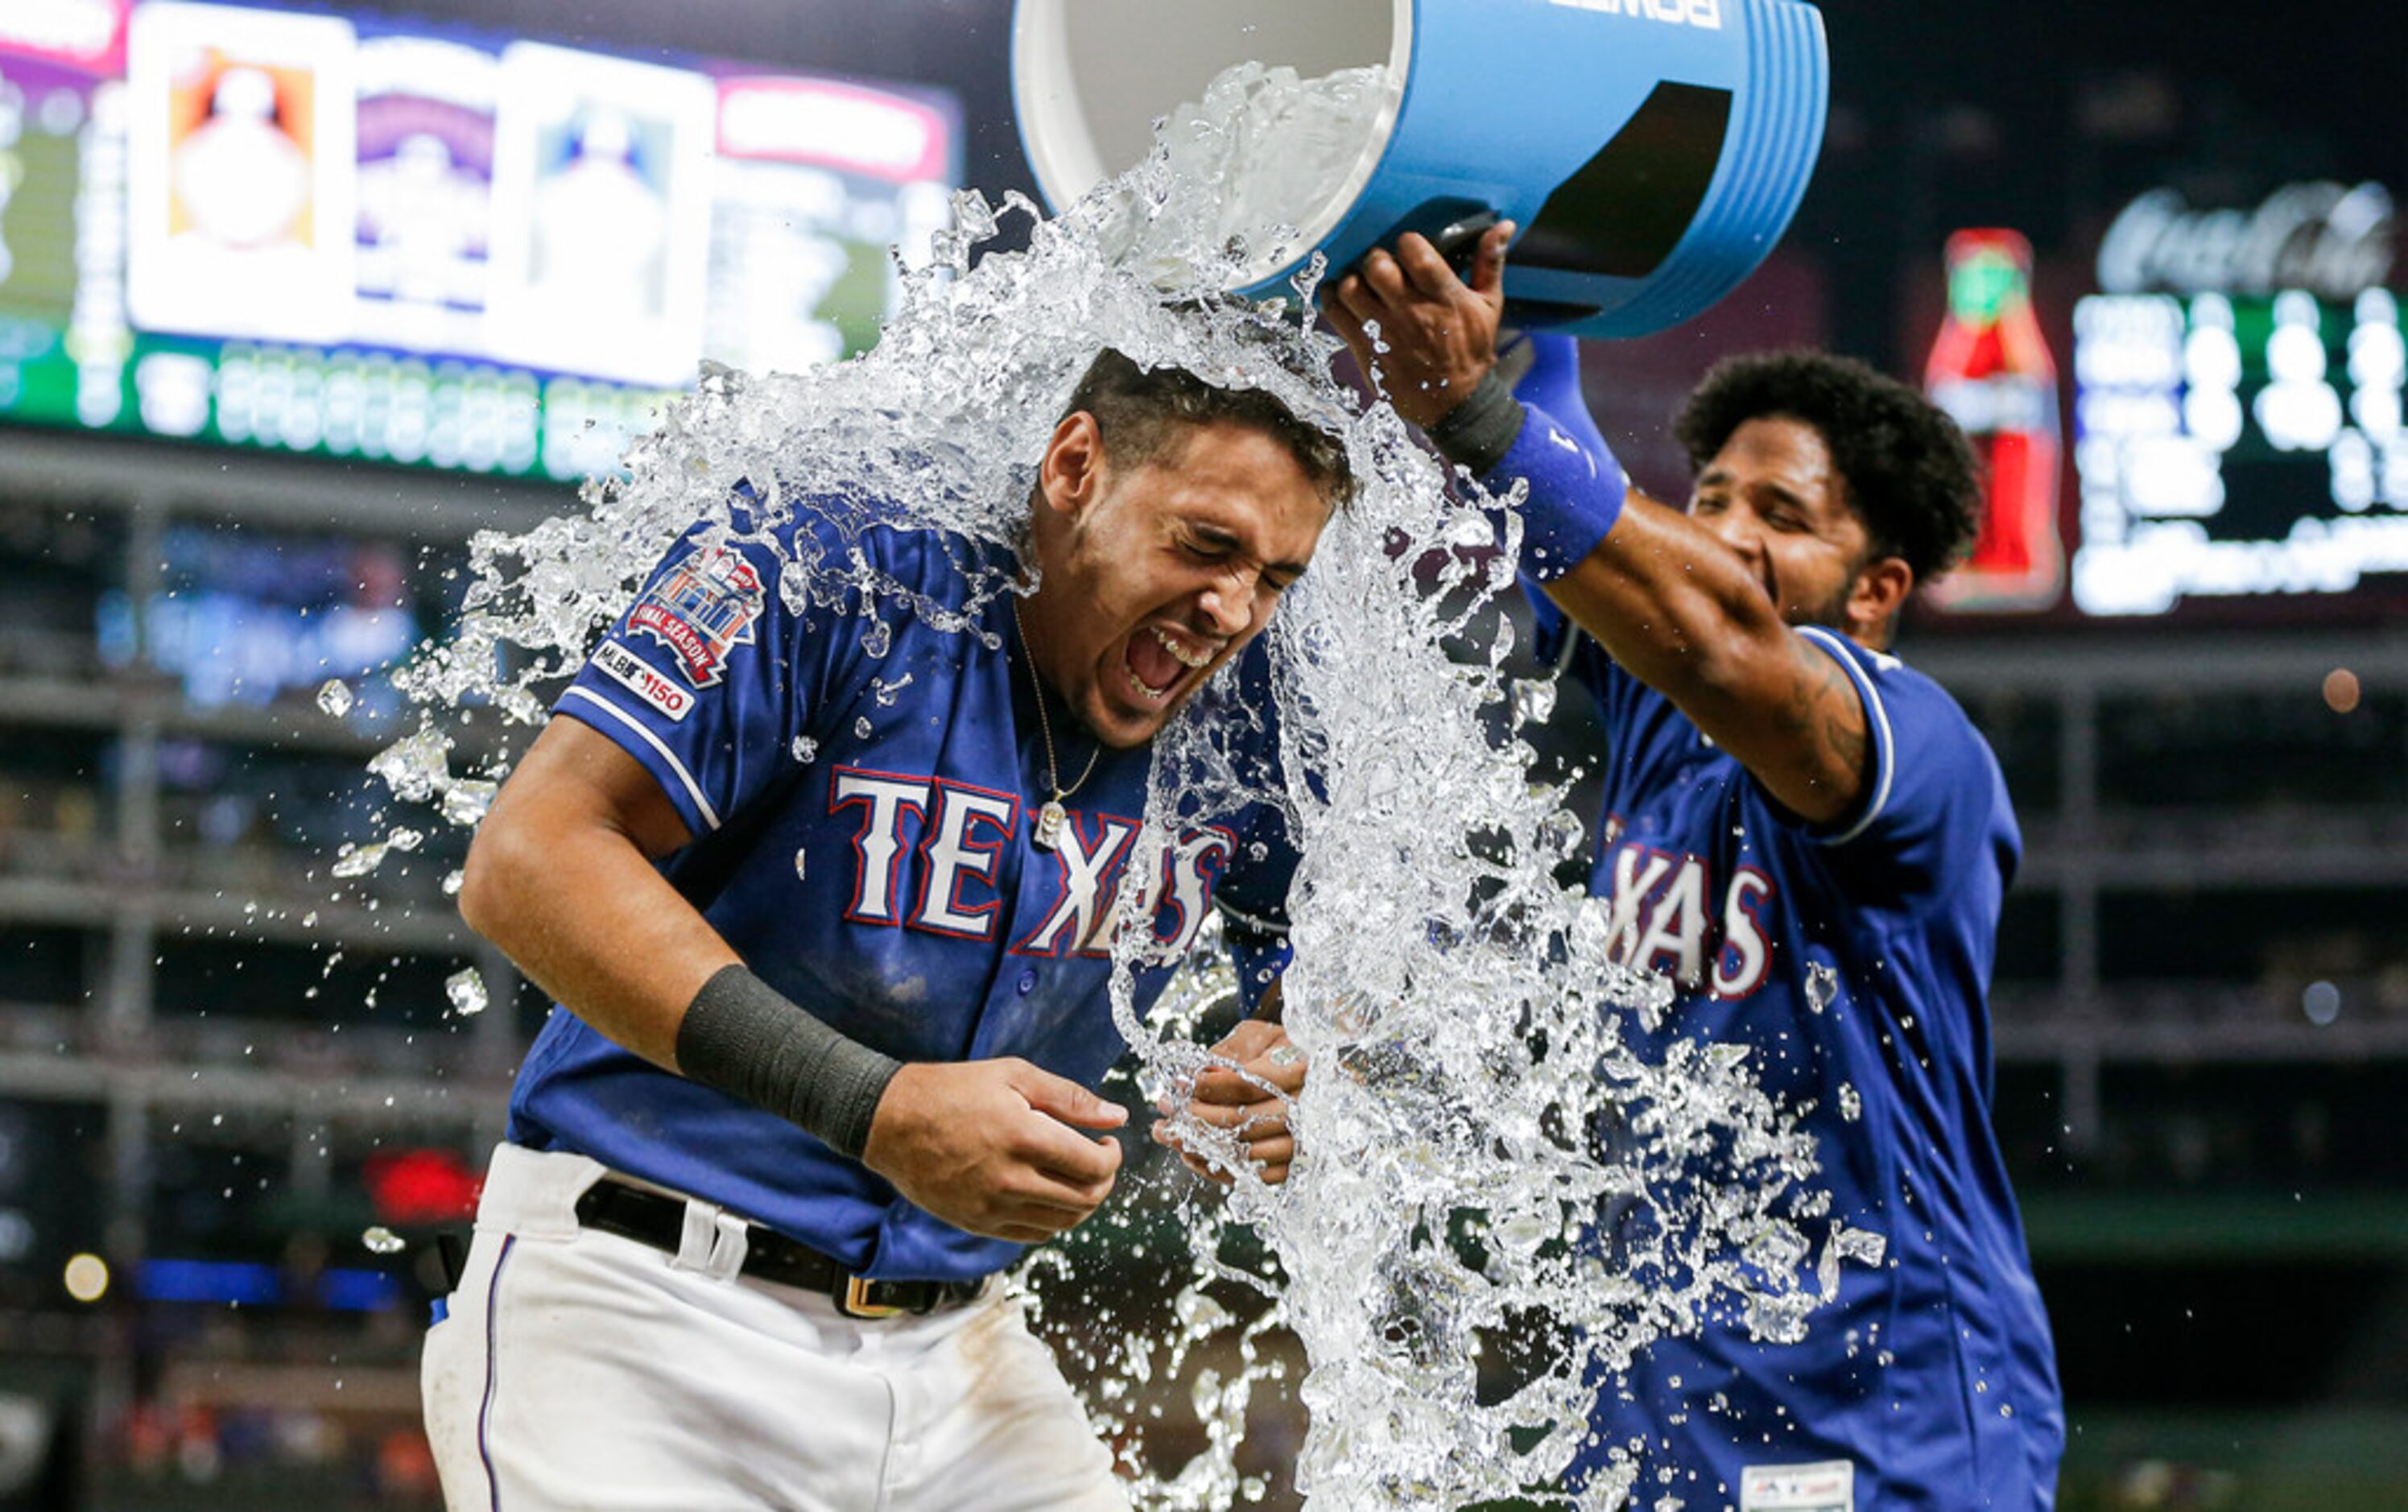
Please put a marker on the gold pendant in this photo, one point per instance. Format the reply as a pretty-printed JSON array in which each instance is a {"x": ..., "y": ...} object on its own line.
[{"x": 1050, "y": 819}]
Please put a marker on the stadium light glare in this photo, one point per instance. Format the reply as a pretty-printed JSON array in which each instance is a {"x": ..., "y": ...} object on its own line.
[{"x": 87, "y": 1277}]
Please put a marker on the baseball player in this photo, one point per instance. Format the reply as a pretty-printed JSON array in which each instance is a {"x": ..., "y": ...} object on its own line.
[
  {"x": 829, "y": 934},
  {"x": 1813, "y": 841}
]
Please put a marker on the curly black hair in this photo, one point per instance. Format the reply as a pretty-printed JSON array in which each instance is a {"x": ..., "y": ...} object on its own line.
[
  {"x": 1910, "y": 472},
  {"x": 1140, "y": 412}
]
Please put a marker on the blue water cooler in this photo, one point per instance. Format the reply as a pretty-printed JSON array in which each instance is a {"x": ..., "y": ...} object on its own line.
[{"x": 1652, "y": 151}]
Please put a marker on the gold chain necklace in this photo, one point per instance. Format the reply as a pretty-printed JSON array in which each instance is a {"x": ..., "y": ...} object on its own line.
[{"x": 1050, "y": 818}]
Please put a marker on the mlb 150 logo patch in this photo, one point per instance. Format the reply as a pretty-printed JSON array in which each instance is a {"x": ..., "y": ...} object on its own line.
[
  {"x": 634, "y": 673},
  {"x": 702, "y": 609}
]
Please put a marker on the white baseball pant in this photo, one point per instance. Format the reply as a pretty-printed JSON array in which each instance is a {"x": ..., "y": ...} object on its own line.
[{"x": 579, "y": 1369}]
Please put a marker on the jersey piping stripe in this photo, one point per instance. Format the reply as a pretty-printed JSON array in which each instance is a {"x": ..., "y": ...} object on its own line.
[
  {"x": 493, "y": 1329},
  {"x": 692, "y": 788},
  {"x": 1278, "y": 931},
  {"x": 1876, "y": 721}
]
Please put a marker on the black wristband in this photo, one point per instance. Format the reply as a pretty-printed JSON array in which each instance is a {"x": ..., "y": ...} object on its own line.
[
  {"x": 741, "y": 1037},
  {"x": 1478, "y": 432}
]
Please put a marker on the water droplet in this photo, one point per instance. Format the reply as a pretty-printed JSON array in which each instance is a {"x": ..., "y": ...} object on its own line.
[
  {"x": 1822, "y": 986},
  {"x": 467, "y": 991},
  {"x": 862, "y": 728},
  {"x": 334, "y": 697},
  {"x": 359, "y": 860},
  {"x": 1534, "y": 700},
  {"x": 384, "y": 1241},
  {"x": 886, "y": 692},
  {"x": 806, "y": 749},
  {"x": 800, "y": 856},
  {"x": 465, "y": 801},
  {"x": 415, "y": 765}
]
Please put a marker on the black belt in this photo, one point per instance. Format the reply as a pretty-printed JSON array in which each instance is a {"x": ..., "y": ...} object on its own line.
[{"x": 652, "y": 1218}]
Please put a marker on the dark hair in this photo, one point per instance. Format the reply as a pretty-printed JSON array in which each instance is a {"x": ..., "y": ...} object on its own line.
[
  {"x": 1144, "y": 412},
  {"x": 1910, "y": 473}
]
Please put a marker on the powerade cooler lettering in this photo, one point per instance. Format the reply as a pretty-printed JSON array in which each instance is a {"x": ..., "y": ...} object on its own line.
[{"x": 1706, "y": 15}]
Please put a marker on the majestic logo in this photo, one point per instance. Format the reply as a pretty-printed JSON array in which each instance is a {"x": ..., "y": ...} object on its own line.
[
  {"x": 1830, "y": 1487},
  {"x": 702, "y": 610}
]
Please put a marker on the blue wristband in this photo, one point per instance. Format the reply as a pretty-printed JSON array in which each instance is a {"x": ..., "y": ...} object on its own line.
[{"x": 1576, "y": 486}]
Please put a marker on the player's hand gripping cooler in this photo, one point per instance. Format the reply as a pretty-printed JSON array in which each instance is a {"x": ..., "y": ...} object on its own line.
[{"x": 1652, "y": 151}]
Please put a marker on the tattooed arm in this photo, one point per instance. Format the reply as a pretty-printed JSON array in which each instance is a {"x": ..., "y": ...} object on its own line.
[{"x": 1679, "y": 613}]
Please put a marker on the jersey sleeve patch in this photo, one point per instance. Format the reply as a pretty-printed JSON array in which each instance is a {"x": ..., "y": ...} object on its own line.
[
  {"x": 702, "y": 608},
  {"x": 636, "y": 675},
  {"x": 1877, "y": 726}
]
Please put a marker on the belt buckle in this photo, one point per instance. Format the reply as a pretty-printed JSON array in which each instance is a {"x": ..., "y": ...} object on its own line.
[{"x": 856, "y": 1303}]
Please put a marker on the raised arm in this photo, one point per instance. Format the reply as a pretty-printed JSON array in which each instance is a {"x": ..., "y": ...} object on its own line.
[{"x": 1668, "y": 597}]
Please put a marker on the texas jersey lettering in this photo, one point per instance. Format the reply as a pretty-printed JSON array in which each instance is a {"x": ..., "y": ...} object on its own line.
[
  {"x": 949, "y": 837},
  {"x": 1666, "y": 918}
]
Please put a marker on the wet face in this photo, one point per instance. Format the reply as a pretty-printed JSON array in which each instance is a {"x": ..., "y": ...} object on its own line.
[
  {"x": 1774, "y": 496},
  {"x": 1155, "y": 575}
]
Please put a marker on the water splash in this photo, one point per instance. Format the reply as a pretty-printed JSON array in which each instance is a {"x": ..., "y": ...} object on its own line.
[
  {"x": 1243, "y": 170},
  {"x": 1473, "y": 1104}
]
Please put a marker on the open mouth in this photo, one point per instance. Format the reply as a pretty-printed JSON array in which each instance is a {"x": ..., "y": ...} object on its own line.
[{"x": 1159, "y": 662}]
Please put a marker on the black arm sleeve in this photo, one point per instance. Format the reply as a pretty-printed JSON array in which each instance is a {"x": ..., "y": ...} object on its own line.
[
  {"x": 741, "y": 1037},
  {"x": 1478, "y": 432}
]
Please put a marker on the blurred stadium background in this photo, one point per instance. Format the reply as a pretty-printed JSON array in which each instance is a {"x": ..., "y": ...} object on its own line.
[{"x": 251, "y": 409}]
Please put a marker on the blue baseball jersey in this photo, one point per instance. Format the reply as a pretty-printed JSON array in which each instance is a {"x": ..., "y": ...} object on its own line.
[
  {"x": 1854, "y": 962},
  {"x": 863, "y": 837}
]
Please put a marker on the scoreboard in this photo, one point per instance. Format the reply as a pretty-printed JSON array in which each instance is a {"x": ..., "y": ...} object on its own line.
[
  {"x": 2237, "y": 406},
  {"x": 2234, "y": 445},
  {"x": 340, "y": 236}
]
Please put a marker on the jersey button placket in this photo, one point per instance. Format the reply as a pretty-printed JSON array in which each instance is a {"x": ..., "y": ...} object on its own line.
[{"x": 1028, "y": 983}]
